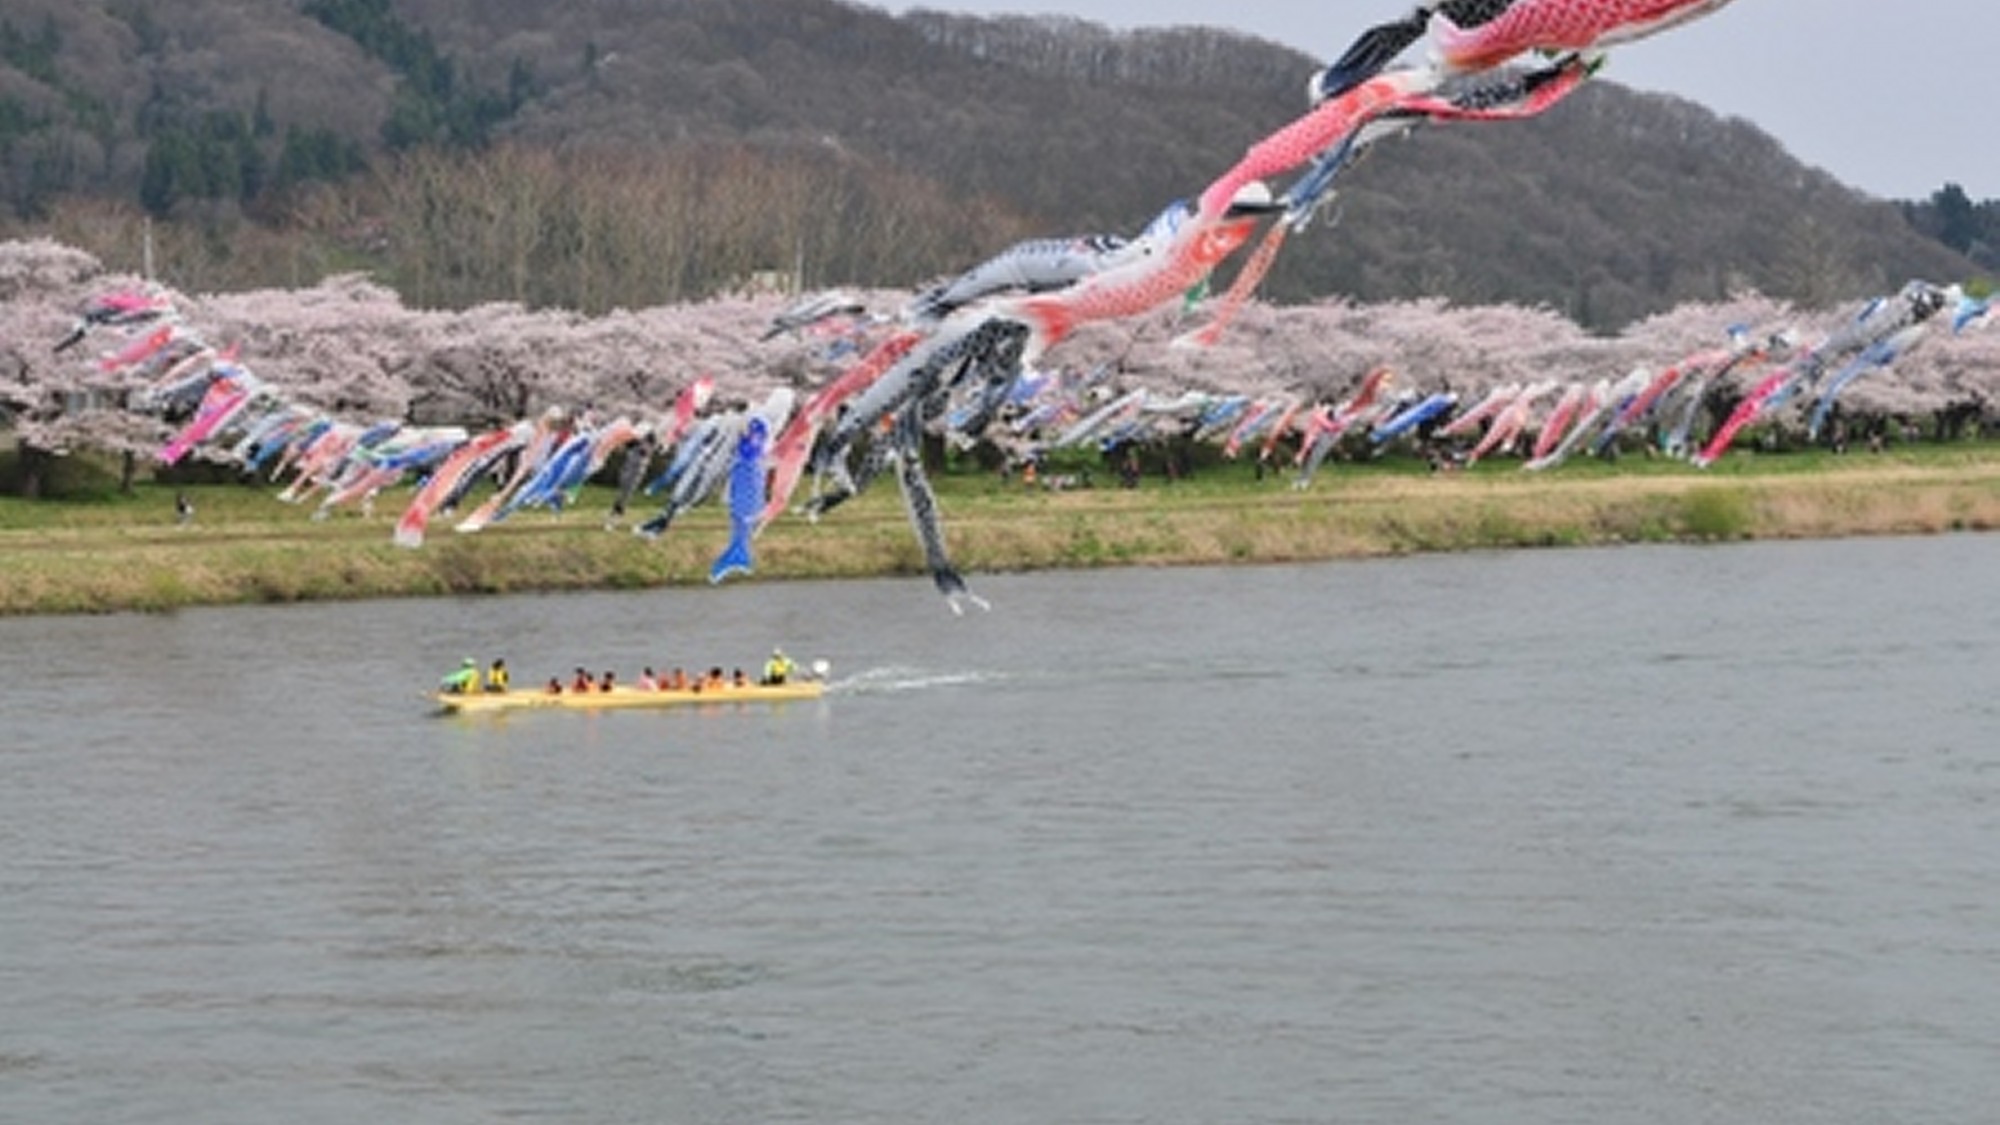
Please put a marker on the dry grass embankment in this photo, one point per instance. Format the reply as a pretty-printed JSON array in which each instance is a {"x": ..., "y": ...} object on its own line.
[{"x": 126, "y": 553}]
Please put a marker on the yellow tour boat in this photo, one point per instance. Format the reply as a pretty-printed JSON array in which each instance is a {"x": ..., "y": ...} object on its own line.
[{"x": 481, "y": 703}]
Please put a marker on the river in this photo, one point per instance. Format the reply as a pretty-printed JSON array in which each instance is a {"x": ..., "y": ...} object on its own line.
[{"x": 1645, "y": 835}]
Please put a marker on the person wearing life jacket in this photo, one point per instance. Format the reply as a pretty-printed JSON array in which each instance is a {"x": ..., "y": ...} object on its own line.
[
  {"x": 463, "y": 680},
  {"x": 779, "y": 668},
  {"x": 496, "y": 677}
]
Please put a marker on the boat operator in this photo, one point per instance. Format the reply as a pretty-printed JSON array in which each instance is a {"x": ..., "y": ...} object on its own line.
[
  {"x": 463, "y": 680},
  {"x": 779, "y": 668}
]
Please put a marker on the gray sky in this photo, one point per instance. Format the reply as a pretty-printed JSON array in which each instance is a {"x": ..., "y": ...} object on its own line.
[{"x": 1894, "y": 97}]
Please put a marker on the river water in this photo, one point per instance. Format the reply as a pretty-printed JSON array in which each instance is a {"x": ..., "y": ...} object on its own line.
[{"x": 1649, "y": 835}]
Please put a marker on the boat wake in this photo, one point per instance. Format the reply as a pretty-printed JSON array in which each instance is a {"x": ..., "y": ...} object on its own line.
[{"x": 889, "y": 680}]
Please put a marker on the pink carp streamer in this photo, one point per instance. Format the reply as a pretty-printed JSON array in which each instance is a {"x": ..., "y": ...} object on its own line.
[
  {"x": 1247, "y": 280},
  {"x": 318, "y": 461},
  {"x": 124, "y": 307},
  {"x": 788, "y": 454},
  {"x": 1413, "y": 95},
  {"x": 463, "y": 462},
  {"x": 1768, "y": 391},
  {"x": 1323, "y": 431},
  {"x": 1324, "y": 426},
  {"x": 140, "y": 350},
  {"x": 687, "y": 404},
  {"x": 1558, "y": 25},
  {"x": 1470, "y": 419},
  {"x": 1299, "y": 143},
  {"x": 226, "y": 398},
  {"x": 1572, "y": 405},
  {"x": 1129, "y": 290},
  {"x": 1508, "y": 424},
  {"x": 547, "y": 436},
  {"x": 1253, "y": 420},
  {"x": 1414, "y": 91},
  {"x": 1657, "y": 389},
  {"x": 1655, "y": 392},
  {"x": 620, "y": 433},
  {"x": 1279, "y": 430}
]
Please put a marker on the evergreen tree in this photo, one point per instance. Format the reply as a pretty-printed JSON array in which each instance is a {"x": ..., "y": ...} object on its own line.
[{"x": 1957, "y": 219}]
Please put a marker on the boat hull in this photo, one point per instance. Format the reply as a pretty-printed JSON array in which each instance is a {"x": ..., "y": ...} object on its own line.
[{"x": 622, "y": 698}]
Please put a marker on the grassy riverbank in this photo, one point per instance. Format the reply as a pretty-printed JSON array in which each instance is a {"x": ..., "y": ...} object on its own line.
[{"x": 113, "y": 552}]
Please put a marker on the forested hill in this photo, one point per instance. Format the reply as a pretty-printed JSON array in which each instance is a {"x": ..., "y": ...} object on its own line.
[{"x": 1613, "y": 205}]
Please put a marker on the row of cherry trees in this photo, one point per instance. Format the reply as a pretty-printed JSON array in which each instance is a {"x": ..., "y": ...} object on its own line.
[{"x": 354, "y": 349}]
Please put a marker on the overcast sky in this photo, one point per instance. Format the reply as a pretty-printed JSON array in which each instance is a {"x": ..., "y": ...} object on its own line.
[{"x": 1895, "y": 97}]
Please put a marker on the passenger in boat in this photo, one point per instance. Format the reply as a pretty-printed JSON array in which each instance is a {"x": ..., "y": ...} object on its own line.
[
  {"x": 555, "y": 686},
  {"x": 462, "y": 681},
  {"x": 738, "y": 679},
  {"x": 581, "y": 681},
  {"x": 496, "y": 676},
  {"x": 779, "y": 668},
  {"x": 608, "y": 682},
  {"x": 714, "y": 680},
  {"x": 678, "y": 681},
  {"x": 647, "y": 682}
]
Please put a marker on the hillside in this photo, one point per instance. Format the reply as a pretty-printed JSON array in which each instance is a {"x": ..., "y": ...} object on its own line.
[{"x": 1615, "y": 205}]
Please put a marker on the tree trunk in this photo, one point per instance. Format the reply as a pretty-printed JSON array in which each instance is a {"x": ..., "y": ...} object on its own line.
[
  {"x": 128, "y": 468},
  {"x": 34, "y": 471}
]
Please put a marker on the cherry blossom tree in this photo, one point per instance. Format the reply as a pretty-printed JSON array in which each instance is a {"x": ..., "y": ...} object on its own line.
[{"x": 352, "y": 348}]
